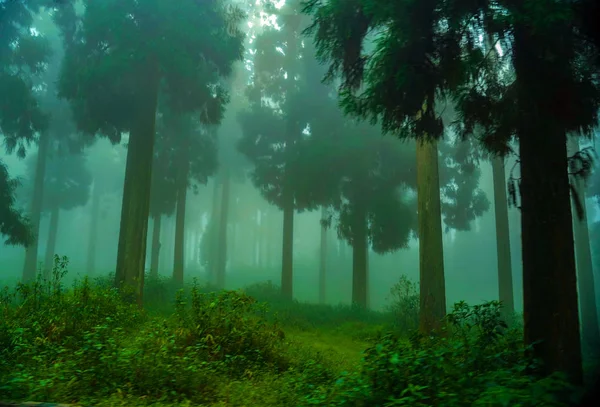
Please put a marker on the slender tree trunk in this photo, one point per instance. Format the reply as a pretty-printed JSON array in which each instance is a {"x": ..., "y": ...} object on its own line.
[
  {"x": 214, "y": 234},
  {"x": 135, "y": 210},
  {"x": 29, "y": 267},
  {"x": 178, "y": 256},
  {"x": 256, "y": 242},
  {"x": 550, "y": 305},
  {"x": 505, "y": 281},
  {"x": 222, "y": 241},
  {"x": 359, "y": 258},
  {"x": 431, "y": 253},
  {"x": 585, "y": 272},
  {"x": 323, "y": 259},
  {"x": 51, "y": 242},
  {"x": 93, "y": 238},
  {"x": 155, "y": 255},
  {"x": 287, "y": 252}
]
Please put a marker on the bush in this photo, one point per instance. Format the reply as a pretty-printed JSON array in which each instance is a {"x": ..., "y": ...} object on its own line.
[
  {"x": 476, "y": 361},
  {"x": 86, "y": 344},
  {"x": 404, "y": 305},
  {"x": 305, "y": 316}
]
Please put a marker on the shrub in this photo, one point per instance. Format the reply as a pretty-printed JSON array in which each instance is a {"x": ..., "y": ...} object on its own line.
[
  {"x": 404, "y": 305},
  {"x": 477, "y": 362}
]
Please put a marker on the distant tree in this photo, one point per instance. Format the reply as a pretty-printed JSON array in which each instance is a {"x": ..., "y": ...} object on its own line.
[
  {"x": 123, "y": 54},
  {"x": 397, "y": 83},
  {"x": 23, "y": 58},
  {"x": 163, "y": 193},
  {"x": 67, "y": 182},
  {"x": 107, "y": 164},
  {"x": 272, "y": 133},
  {"x": 13, "y": 224},
  {"x": 193, "y": 159},
  {"x": 374, "y": 208}
]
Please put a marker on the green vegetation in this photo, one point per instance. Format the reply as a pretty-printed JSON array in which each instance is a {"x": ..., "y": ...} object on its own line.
[{"x": 85, "y": 345}]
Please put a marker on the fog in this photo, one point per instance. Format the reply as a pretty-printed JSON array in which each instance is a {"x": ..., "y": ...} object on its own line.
[{"x": 254, "y": 227}]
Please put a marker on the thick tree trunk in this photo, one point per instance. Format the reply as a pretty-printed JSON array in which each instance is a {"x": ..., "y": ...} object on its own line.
[
  {"x": 287, "y": 252},
  {"x": 31, "y": 252},
  {"x": 323, "y": 259},
  {"x": 505, "y": 280},
  {"x": 585, "y": 272},
  {"x": 431, "y": 253},
  {"x": 178, "y": 255},
  {"x": 359, "y": 258},
  {"x": 155, "y": 255},
  {"x": 93, "y": 237},
  {"x": 549, "y": 276},
  {"x": 222, "y": 240},
  {"x": 51, "y": 242},
  {"x": 135, "y": 210}
]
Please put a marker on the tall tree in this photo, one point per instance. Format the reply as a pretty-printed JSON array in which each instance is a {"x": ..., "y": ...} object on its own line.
[
  {"x": 194, "y": 159},
  {"x": 373, "y": 206},
  {"x": 543, "y": 45},
  {"x": 396, "y": 83},
  {"x": 107, "y": 164},
  {"x": 24, "y": 55},
  {"x": 590, "y": 331},
  {"x": 272, "y": 133},
  {"x": 122, "y": 54}
]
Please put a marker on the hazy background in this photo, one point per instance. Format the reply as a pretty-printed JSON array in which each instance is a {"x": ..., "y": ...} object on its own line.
[{"x": 470, "y": 257}]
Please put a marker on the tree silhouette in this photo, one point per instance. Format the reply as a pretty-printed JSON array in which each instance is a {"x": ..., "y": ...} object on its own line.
[
  {"x": 123, "y": 54},
  {"x": 23, "y": 58}
]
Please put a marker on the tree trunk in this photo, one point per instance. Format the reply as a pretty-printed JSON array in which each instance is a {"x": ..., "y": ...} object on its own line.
[
  {"x": 256, "y": 242},
  {"x": 178, "y": 255},
  {"x": 29, "y": 267},
  {"x": 360, "y": 261},
  {"x": 51, "y": 242},
  {"x": 131, "y": 255},
  {"x": 585, "y": 273},
  {"x": 359, "y": 258},
  {"x": 287, "y": 252},
  {"x": 323, "y": 259},
  {"x": 431, "y": 252},
  {"x": 213, "y": 232},
  {"x": 155, "y": 255},
  {"x": 93, "y": 238},
  {"x": 549, "y": 276},
  {"x": 505, "y": 281},
  {"x": 222, "y": 240}
]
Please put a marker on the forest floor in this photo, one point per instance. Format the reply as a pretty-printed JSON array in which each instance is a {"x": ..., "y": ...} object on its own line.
[{"x": 85, "y": 346}]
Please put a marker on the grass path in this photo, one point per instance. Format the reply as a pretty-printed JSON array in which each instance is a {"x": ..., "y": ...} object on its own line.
[{"x": 345, "y": 351}]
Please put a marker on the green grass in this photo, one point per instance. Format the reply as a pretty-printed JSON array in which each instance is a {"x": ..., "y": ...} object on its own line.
[{"x": 196, "y": 346}]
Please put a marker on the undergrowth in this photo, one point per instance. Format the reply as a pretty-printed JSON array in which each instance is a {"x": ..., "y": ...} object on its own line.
[{"x": 197, "y": 346}]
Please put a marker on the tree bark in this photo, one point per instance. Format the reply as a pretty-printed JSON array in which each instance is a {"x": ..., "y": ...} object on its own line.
[
  {"x": 213, "y": 232},
  {"x": 550, "y": 304},
  {"x": 585, "y": 272},
  {"x": 31, "y": 252},
  {"x": 431, "y": 252},
  {"x": 93, "y": 237},
  {"x": 256, "y": 242},
  {"x": 155, "y": 255},
  {"x": 359, "y": 258},
  {"x": 131, "y": 255},
  {"x": 323, "y": 259},
  {"x": 287, "y": 252},
  {"x": 222, "y": 240},
  {"x": 51, "y": 242},
  {"x": 505, "y": 279},
  {"x": 178, "y": 255}
]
